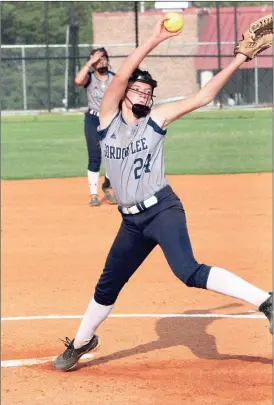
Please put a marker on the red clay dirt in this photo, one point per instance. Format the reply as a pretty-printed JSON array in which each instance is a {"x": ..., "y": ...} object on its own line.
[{"x": 53, "y": 250}]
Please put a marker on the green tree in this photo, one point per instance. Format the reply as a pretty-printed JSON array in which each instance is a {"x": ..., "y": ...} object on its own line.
[
  {"x": 9, "y": 24},
  {"x": 24, "y": 22},
  {"x": 211, "y": 4}
]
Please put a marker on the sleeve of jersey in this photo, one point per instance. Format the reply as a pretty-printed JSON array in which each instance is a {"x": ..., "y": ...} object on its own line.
[
  {"x": 102, "y": 133},
  {"x": 89, "y": 81},
  {"x": 156, "y": 127}
]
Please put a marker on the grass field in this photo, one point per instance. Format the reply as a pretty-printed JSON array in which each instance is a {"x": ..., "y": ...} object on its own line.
[{"x": 50, "y": 145}]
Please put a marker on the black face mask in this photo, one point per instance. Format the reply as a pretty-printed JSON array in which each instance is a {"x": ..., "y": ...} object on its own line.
[
  {"x": 139, "y": 110},
  {"x": 102, "y": 70}
]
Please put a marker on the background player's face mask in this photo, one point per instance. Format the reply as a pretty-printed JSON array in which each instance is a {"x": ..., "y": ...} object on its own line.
[
  {"x": 102, "y": 65},
  {"x": 102, "y": 70}
]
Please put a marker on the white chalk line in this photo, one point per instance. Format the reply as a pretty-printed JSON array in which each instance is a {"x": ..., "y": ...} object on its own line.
[
  {"x": 32, "y": 362},
  {"x": 252, "y": 315}
]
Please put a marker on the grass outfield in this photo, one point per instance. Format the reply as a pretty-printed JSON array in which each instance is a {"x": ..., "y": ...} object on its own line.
[{"x": 203, "y": 142}]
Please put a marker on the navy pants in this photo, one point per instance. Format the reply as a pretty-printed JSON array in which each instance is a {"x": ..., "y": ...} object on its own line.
[
  {"x": 163, "y": 224},
  {"x": 93, "y": 145}
]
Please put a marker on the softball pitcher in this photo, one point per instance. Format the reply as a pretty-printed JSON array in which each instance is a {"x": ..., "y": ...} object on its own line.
[
  {"x": 132, "y": 136},
  {"x": 95, "y": 84}
]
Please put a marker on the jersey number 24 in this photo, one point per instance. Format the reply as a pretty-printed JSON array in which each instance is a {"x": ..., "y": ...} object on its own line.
[{"x": 140, "y": 165}]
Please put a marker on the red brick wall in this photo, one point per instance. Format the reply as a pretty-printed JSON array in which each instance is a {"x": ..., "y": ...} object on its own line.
[{"x": 176, "y": 76}]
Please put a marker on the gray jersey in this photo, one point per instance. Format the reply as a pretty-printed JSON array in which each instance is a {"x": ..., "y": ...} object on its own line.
[
  {"x": 133, "y": 158},
  {"x": 95, "y": 89}
]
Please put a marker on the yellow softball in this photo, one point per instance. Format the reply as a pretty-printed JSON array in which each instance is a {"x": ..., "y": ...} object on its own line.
[{"x": 174, "y": 22}]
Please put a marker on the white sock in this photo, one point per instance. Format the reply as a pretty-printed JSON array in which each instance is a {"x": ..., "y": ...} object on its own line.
[
  {"x": 93, "y": 180},
  {"x": 94, "y": 316},
  {"x": 225, "y": 282}
]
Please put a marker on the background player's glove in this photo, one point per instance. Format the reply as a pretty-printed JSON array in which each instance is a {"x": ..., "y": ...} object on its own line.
[{"x": 257, "y": 38}]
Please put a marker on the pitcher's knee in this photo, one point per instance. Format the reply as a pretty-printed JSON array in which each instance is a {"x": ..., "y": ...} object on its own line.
[
  {"x": 199, "y": 277},
  {"x": 107, "y": 290},
  {"x": 193, "y": 274},
  {"x": 105, "y": 297}
]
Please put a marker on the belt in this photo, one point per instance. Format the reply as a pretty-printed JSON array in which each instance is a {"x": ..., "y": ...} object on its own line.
[
  {"x": 141, "y": 206},
  {"x": 93, "y": 112}
]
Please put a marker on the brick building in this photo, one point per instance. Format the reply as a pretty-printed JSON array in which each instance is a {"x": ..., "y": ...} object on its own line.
[{"x": 179, "y": 75}]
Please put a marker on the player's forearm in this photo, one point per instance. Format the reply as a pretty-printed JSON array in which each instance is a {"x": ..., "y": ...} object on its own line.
[
  {"x": 82, "y": 74},
  {"x": 212, "y": 88}
]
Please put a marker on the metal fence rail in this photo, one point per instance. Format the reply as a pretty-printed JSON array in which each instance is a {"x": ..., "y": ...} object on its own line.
[
  {"x": 41, "y": 77},
  {"x": 25, "y": 87}
]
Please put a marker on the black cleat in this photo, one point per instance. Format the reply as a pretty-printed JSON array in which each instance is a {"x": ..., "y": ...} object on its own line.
[
  {"x": 67, "y": 360},
  {"x": 110, "y": 195},
  {"x": 267, "y": 308},
  {"x": 94, "y": 200}
]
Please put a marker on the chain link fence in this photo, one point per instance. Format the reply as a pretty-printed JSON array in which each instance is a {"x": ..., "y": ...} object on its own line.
[{"x": 41, "y": 77}]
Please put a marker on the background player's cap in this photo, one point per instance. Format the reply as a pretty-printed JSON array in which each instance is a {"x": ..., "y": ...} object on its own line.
[
  {"x": 142, "y": 76},
  {"x": 100, "y": 50}
]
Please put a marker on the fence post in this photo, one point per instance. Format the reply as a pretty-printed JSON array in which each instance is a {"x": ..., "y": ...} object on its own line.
[
  {"x": 136, "y": 24},
  {"x": 237, "y": 95},
  {"x": 66, "y": 68},
  {"x": 46, "y": 11},
  {"x": 219, "y": 49},
  {"x": 24, "y": 77},
  {"x": 73, "y": 55},
  {"x": 256, "y": 81}
]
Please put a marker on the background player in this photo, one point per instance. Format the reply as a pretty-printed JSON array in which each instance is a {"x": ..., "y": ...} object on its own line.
[
  {"x": 132, "y": 139},
  {"x": 95, "y": 84}
]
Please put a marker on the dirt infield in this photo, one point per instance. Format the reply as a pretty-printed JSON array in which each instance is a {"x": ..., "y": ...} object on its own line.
[{"x": 53, "y": 250}]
